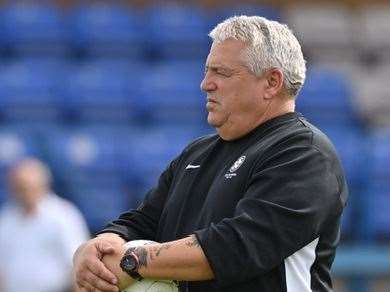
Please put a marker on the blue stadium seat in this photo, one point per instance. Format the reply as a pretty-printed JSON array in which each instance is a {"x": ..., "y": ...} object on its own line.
[
  {"x": 35, "y": 28},
  {"x": 109, "y": 30},
  {"x": 3, "y": 195},
  {"x": 146, "y": 152},
  {"x": 171, "y": 93},
  {"x": 103, "y": 90},
  {"x": 29, "y": 90},
  {"x": 352, "y": 145},
  {"x": 101, "y": 203},
  {"x": 227, "y": 11},
  {"x": 16, "y": 144},
  {"x": 380, "y": 142},
  {"x": 377, "y": 208},
  {"x": 326, "y": 98},
  {"x": 378, "y": 195},
  {"x": 347, "y": 221},
  {"x": 178, "y": 31},
  {"x": 3, "y": 34},
  {"x": 83, "y": 155}
]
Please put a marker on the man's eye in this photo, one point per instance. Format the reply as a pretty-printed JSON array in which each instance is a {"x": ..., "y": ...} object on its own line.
[{"x": 223, "y": 73}]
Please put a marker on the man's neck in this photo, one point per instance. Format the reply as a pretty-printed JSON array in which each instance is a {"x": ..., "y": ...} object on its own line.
[{"x": 276, "y": 110}]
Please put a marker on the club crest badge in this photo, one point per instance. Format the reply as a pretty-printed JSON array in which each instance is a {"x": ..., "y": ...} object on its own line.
[{"x": 237, "y": 164}]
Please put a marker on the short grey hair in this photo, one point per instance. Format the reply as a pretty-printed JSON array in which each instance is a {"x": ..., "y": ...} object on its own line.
[{"x": 270, "y": 44}]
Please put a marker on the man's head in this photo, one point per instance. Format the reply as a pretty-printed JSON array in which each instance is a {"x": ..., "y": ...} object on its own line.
[
  {"x": 29, "y": 180},
  {"x": 254, "y": 71}
]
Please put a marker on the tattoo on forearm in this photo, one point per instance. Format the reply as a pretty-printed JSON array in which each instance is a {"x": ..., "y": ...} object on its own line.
[
  {"x": 163, "y": 246},
  {"x": 193, "y": 242},
  {"x": 152, "y": 253},
  {"x": 142, "y": 254}
]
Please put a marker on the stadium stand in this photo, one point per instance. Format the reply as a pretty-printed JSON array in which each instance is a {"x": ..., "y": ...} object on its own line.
[
  {"x": 35, "y": 29},
  {"x": 177, "y": 32},
  {"x": 379, "y": 186},
  {"x": 83, "y": 154},
  {"x": 372, "y": 91},
  {"x": 374, "y": 25},
  {"x": 220, "y": 13},
  {"x": 29, "y": 89},
  {"x": 326, "y": 98},
  {"x": 104, "y": 90},
  {"x": 15, "y": 143},
  {"x": 326, "y": 31},
  {"x": 170, "y": 93},
  {"x": 92, "y": 201},
  {"x": 107, "y": 30},
  {"x": 145, "y": 152}
]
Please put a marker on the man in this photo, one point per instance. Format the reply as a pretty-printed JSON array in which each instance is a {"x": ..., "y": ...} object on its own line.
[
  {"x": 254, "y": 208},
  {"x": 39, "y": 232}
]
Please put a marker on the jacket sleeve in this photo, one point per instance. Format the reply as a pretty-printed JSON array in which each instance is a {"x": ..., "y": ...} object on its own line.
[
  {"x": 288, "y": 199},
  {"x": 142, "y": 222}
]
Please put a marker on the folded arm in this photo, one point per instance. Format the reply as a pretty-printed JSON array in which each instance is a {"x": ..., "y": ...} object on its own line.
[{"x": 182, "y": 260}]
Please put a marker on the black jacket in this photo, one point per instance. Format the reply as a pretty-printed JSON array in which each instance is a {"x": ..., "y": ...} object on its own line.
[{"x": 265, "y": 208}]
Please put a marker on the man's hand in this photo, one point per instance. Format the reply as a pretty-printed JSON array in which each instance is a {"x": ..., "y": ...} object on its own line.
[
  {"x": 112, "y": 262},
  {"x": 90, "y": 272}
]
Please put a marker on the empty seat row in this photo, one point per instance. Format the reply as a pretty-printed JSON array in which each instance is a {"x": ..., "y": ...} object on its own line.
[
  {"x": 336, "y": 31},
  {"x": 177, "y": 31},
  {"x": 167, "y": 31},
  {"x": 122, "y": 91},
  {"x": 327, "y": 98},
  {"x": 46, "y": 90}
]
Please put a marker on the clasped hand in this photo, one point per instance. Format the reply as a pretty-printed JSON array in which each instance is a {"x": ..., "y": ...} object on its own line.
[{"x": 96, "y": 265}]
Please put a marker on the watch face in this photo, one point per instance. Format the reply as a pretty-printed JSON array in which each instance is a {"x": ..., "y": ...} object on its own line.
[{"x": 128, "y": 263}]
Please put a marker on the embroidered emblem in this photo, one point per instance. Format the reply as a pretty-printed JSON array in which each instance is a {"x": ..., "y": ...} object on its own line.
[{"x": 237, "y": 164}]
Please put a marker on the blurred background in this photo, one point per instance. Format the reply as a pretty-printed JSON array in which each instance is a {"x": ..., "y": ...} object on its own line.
[{"x": 107, "y": 92}]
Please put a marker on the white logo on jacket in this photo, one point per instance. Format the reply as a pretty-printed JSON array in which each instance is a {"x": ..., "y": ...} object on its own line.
[
  {"x": 190, "y": 166},
  {"x": 236, "y": 165}
]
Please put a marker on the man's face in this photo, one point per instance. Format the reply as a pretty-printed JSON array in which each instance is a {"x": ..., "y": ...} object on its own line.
[
  {"x": 26, "y": 182},
  {"x": 235, "y": 100}
]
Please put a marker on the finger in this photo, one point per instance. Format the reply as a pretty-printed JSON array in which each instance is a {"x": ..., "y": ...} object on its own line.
[
  {"x": 104, "y": 247},
  {"x": 99, "y": 270},
  {"x": 100, "y": 284},
  {"x": 87, "y": 288},
  {"x": 80, "y": 285},
  {"x": 83, "y": 289}
]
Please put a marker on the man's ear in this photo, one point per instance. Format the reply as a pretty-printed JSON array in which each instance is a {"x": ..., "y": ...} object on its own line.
[{"x": 274, "y": 82}]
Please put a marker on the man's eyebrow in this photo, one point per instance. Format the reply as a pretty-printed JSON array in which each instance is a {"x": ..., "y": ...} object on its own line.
[{"x": 218, "y": 67}]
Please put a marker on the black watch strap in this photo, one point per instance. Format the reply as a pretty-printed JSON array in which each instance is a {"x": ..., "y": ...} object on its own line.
[
  {"x": 135, "y": 275},
  {"x": 130, "y": 265}
]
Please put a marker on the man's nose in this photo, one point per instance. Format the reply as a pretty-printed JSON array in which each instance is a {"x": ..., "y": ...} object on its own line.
[{"x": 207, "y": 85}]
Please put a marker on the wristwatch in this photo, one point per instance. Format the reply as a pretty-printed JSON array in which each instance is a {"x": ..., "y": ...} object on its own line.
[{"x": 130, "y": 264}]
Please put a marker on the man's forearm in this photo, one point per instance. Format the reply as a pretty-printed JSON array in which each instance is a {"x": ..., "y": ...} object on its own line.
[{"x": 182, "y": 260}]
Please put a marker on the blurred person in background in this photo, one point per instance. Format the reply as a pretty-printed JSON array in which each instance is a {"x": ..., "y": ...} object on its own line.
[
  {"x": 255, "y": 207},
  {"x": 39, "y": 233}
]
